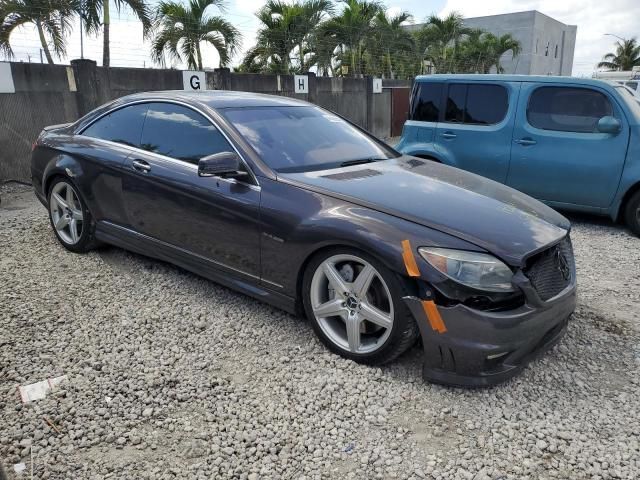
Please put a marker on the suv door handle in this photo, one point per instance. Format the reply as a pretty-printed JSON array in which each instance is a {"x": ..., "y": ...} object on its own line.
[
  {"x": 141, "y": 166},
  {"x": 449, "y": 135},
  {"x": 526, "y": 141}
]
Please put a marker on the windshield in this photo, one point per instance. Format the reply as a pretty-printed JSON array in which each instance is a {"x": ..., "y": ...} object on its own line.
[
  {"x": 299, "y": 139},
  {"x": 630, "y": 99}
]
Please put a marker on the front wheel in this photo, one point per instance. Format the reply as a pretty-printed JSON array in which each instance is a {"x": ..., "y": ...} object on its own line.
[
  {"x": 632, "y": 213},
  {"x": 355, "y": 306}
]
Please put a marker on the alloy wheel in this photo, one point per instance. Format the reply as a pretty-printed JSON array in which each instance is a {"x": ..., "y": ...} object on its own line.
[
  {"x": 352, "y": 303},
  {"x": 66, "y": 213}
]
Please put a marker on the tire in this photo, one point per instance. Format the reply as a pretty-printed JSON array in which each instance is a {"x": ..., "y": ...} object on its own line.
[
  {"x": 375, "y": 344},
  {"x": 75, "y": 214},
  {"x": 632, "y": 213},
  {"x": 430, "y": 159}
]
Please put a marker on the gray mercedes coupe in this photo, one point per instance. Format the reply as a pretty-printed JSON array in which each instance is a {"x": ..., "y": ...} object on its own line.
[{"x": 292, "y": 204}]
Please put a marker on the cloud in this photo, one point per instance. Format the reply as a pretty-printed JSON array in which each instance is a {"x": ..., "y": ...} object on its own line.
[{"x": 594, "y": 18}]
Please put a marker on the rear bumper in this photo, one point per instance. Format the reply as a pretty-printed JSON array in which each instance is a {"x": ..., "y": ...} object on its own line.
[
  {"x": 40, "y": 197},
  {"x": 481, "y": 348}
]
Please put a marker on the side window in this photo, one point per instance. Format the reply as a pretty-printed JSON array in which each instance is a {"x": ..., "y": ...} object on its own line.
[
  {"x": 455, "y": 103},
  {"x": 123, "y": 125},
  {"x": 476, "y": 104},
  {"x": 567, "y": 109},
  {"x": 486, "y": 104},
  {"x": 426, "y": 102},
  {"x": 179, "y": 132}
]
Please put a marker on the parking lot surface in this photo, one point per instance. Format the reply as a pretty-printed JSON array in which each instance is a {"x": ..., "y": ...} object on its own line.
[{"x": 172, "y": 376}]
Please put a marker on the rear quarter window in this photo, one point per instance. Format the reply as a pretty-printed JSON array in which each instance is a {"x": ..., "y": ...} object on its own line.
[
  {"x": 121, "y": 126},
  {"x": 425, "y": 106}
]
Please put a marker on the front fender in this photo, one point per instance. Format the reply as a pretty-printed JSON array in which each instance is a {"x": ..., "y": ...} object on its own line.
[
  {"x": 629, "y": 183},
  {"x": 297, "y": 223}
]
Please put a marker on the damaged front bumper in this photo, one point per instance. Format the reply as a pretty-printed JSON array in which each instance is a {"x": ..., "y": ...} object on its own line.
[{"x": 481, "y": 348}]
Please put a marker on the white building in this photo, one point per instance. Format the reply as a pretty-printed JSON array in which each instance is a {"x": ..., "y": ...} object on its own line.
[{"x": 547, "y": 44}]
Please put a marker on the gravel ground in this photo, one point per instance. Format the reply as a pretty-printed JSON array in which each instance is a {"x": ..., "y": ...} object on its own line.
[{"x": 172, "y": 376}]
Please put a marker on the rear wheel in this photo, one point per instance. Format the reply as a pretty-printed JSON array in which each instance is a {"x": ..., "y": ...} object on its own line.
[
  {"x": 426, "y": 157},
  {"x": 632, "y": 213},
  {"x": 69, "y": 216},
  {"x": 354, "y": 304}
]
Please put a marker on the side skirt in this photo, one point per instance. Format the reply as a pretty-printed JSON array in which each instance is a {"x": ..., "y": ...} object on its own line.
[{"x": 148, "y": 246}]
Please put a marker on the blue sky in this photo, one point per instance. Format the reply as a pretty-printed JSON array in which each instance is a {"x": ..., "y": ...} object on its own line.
[{"x": 593, "y": 17}]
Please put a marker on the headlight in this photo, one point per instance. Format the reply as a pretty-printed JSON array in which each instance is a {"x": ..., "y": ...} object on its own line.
[{"x": 476, "y": 270}]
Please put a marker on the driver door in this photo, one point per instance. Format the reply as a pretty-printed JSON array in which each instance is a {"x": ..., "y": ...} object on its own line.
[
  {"x": 165, "y": 199},
  {"x": 558, "y": 155}
]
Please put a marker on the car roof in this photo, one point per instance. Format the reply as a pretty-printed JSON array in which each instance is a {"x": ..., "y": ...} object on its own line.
[
  {"x": 217, "y": 99},
  {"x": 478, "y": 77}
]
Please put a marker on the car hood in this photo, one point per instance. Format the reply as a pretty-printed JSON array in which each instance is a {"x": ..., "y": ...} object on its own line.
[{"x": 503, "y": 221}]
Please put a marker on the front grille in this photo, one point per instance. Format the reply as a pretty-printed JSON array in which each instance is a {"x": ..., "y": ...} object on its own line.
[{"x": 545, "y": 270}]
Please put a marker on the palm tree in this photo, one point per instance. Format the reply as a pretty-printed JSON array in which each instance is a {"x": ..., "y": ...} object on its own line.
[
  {"x": 626, "y": 57},
  {"x": 501, "y": 45},
  {"x": 323, "y": 53},
  {"x": 51, "y": 18},
  {"x": 349, "y": 31},
  {"x": 480, "y": 51},
  {"x": 389, "y": 43},
  {"x": 441, "y": 37},
  {"x": 96, "y": 14},
  {"x": 310, "y": 14},
  {"x": 182, "y": 29},
  {"x": 286, "y": 27}
]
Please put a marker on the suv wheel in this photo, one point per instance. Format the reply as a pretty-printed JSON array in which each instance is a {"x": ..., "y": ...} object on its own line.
[{"x": 632, "y": 213}]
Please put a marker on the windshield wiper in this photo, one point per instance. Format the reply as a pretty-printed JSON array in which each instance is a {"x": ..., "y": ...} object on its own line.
[{"x": 360, "y": 161}]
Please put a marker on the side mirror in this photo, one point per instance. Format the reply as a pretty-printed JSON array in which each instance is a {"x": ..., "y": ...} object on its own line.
[
  {"x": 609, "y": 125},
  {"x": 223, "y": 164}
]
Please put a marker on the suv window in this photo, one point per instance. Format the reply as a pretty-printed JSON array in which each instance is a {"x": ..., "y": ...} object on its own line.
[
  {"x": 426, "y": 102},
  {"x": 179, "y": 132},
  {"x": 123, "y": 125},
  {"x": 476, "y": 104},
  {"x": 567, "y": 109}
]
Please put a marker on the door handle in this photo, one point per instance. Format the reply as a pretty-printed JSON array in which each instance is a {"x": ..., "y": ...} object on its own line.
[
  {"x": 526, "y": 141},
  {"x": 449, "y": 135},
  {"x": 141, "y": 166}
]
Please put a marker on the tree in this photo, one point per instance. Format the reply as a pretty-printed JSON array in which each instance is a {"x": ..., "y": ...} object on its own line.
[
  {"x": 441, "y": 37},
  {"x": 287, "y": 29},
  {"x": 347, "y": 33},
  {"x": 180, "y": 30},
  {"x": 474, "y": 54},
  {"x": 389, "y": 43},
  {"x": 50, "y": 17},
  {"x": 480, "y": 51},
  {"x": 498, "y": 46},
  {"x": 626, "y": 56},
  {"x": 97, "y": 13},
  {"x": 452, "y": 47}
]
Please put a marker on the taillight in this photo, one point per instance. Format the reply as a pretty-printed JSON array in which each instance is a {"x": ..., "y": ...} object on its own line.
[{"x": 33, "y": 147}]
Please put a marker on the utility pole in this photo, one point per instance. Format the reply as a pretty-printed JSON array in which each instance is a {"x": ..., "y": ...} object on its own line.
[
  {"x": 81, "y": 40},
  {"x": 41, "y": 56}
]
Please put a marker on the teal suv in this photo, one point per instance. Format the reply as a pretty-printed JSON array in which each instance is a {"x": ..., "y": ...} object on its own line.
[{"x": 572, "y": 143}]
